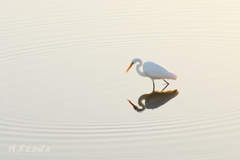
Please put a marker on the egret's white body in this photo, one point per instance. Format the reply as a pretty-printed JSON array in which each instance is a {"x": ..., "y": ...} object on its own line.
[{"x": 153, "y": 71}]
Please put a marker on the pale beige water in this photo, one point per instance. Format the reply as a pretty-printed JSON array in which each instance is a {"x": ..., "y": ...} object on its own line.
[{"x": 63, "y": 81}]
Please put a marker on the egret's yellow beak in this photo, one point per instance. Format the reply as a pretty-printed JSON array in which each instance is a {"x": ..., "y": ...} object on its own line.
[{"x": 129, "y": 67}]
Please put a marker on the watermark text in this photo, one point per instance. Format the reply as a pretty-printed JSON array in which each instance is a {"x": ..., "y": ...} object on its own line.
[{"x": 28, "y": 149}]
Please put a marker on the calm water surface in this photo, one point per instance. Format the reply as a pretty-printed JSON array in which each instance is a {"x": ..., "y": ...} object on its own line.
[{"x": 63, "y": 84}]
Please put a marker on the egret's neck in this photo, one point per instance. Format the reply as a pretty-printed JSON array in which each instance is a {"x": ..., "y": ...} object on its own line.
[
  {"x": 141, "y": 73},
  {"x": 141, "y": 98}
]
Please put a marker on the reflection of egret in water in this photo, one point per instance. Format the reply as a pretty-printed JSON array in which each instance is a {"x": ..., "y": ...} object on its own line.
[{"x": 154, "y": 99}]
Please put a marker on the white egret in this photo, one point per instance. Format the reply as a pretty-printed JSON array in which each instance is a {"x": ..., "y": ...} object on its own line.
[{"x": 153, "y": 71}]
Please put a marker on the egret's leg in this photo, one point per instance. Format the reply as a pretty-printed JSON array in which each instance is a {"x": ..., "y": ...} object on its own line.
[
  {"x": 153, "y": 85},
  {"x": 166, "y": 81},
  {"x": 164, "y": 87}
]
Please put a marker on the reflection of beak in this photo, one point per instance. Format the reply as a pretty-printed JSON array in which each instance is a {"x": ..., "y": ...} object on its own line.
[
  {"x": 129, "y": 67},
  {"x": 130, "y": 102},
  {"x": 135, "y": 107}
]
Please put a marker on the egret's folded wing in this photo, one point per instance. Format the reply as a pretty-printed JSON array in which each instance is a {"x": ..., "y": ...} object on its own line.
[{"x": 156, "y": 71}]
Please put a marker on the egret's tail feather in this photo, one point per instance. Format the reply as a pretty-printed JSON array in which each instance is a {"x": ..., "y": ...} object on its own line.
[{"x": 174, "y": 76}]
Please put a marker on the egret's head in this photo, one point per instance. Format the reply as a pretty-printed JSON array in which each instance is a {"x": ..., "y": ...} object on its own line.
[{"x": 132, "y": 63}]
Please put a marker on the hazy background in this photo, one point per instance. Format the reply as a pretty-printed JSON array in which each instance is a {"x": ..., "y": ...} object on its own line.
[{"x": 63, "y": 81}]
